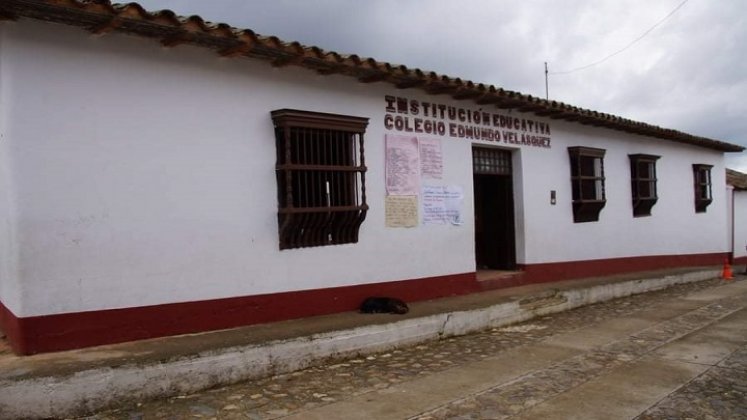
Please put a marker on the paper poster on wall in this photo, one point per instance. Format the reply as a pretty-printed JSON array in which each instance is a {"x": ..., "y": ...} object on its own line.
[
  {"x": 402, "y": 165},
  {"x": 431, "y": 159},
  {"x": 401, "y": 210},
  {"x": 442, "y": 204}
]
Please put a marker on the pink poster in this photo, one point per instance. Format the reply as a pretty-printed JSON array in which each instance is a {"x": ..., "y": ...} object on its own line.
[
  {"x": 431, "y": 159},
  {"x": 402, "y": 165}
]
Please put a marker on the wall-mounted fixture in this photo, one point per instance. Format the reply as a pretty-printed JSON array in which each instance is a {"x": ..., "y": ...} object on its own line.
[{"x": 552, "y": 197}]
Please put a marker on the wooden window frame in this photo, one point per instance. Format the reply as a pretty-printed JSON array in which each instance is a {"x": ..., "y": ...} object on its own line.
[
  {"x": 585, "y": 208},
  {"x": 702, "y": 186},
  {"x": 641, "y": 182},
  {"x": 321, "y": 176}
]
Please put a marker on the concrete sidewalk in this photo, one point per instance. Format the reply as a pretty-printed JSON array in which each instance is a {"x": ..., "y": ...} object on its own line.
[
  {"x": 81, "y": 381},
  {"x": 615, "y": 368}
]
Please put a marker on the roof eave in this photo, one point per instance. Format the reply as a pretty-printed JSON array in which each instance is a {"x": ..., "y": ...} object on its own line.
[{"x": 101, "y": 17}]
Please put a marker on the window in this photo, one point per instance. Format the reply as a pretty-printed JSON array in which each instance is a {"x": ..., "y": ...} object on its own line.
[
  {"x": 587, "y": 182},
  {"x": 491, "y": 161},
  {"x": 702, "y": 178},
  {"x": 320, "y": 176},
  {"x": 643, "y": 183}
]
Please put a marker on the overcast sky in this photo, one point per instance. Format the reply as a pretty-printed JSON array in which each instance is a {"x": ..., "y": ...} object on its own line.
[{"x": 689, "y": 73}]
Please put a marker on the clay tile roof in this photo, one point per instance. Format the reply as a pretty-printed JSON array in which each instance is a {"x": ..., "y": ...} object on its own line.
[
  {"x": 101, "y": 17},
  {"x": 736, "y": 179}
]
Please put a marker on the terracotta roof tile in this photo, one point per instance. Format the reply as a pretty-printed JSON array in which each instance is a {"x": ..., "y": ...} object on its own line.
[
  {"x": 101, "y": 16},
  {"x": 736, "y": 179}
]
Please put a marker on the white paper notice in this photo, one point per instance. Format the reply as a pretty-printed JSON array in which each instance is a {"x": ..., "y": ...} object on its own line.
[
  {"x": 402, "y": 165},
  {"x": 431, "y": 159},
  {"x": 442, "y": 204}
]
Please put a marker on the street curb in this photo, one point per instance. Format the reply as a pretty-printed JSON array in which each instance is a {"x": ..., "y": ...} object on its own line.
[{"x": 89, "y": 390}]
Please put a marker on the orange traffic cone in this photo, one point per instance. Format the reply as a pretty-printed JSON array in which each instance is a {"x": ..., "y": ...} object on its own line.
[{"x": 726, "y": 273}]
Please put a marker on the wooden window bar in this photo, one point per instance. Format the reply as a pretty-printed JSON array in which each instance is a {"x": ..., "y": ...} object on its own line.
[
  {"x": 703, "y": 193},
  {"x": 587, "y": 182},
  {"x": 321, "y": 178},
  {"x": 643, "y": 183}
]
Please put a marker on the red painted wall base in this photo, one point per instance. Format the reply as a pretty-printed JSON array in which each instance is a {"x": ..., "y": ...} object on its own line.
[
  {"x": 39, "y": 334},
  {"x": 540, "y": 273},
  {"x": 47, "y": 333}
]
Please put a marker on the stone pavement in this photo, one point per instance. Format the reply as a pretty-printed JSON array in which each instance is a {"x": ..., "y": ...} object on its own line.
[
  {"x": 676, "y": 353},
  {"x": 76, "y": 382}
]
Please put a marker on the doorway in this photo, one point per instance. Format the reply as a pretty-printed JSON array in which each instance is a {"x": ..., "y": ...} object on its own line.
[{"x": 495, "y": 238}]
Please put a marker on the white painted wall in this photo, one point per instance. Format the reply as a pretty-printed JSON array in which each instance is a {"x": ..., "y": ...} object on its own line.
[
  {"x": 145, "y": 175},
  {"x": 673, "y": 228},
  {"x": 740, "y": 223},
  {"x": 10, "y": 286}
]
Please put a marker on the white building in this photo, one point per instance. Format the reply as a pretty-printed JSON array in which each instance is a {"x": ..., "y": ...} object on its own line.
[
  {"x": 737, "y": 189},
  {"x": 161, "y": 176}
]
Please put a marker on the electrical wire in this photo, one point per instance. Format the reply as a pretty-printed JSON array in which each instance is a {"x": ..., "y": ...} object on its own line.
[{"x": 625, "y": 47}]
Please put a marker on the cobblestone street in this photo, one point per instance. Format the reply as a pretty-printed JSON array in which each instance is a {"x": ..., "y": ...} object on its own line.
[{"x": 639, "y": 333}]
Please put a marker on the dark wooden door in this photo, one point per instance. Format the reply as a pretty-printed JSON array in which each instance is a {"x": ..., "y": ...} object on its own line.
[{"x": 495, "y": 240}]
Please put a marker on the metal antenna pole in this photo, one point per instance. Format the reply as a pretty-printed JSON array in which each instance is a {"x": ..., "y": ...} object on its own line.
[{"x": 547, "y": 91}]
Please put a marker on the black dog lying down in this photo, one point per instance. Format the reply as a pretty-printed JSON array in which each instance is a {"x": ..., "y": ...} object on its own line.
[{"x": 383, "y": 305}]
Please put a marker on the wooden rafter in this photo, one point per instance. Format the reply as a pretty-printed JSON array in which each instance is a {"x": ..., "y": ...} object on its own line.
[
  {"x": 8, "y": 16},
  {"x": 237, "y": 50},
  {"x": 466, "y": 93},
  {"x": 373, "y": 77},
  {"x": 287, "y": 60},
  {"x": 106, "y": 27},
  {"x": 176, "y": 39},
  {"x": 408, "y": 83}
]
